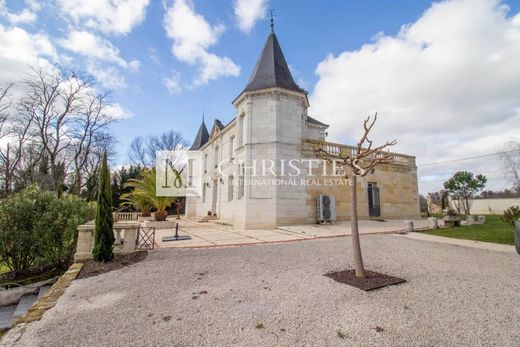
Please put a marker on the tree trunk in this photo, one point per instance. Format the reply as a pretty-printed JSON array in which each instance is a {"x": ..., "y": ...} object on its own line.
[{"x": 356, "y": 246}]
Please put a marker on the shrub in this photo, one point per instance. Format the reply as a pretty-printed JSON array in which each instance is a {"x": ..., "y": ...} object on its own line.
[
  {"x": 104, "y": 237},
  {"x": 39, "y": 230},
  {"x": 511, "y": 215}
]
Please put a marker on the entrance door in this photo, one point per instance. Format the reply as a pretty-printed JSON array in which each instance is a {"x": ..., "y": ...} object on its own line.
[
  {"x": 374, "y": 209},
  {"x": 214, "y": 198}
]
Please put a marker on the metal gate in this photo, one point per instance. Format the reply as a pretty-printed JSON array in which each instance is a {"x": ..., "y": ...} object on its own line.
[{"x": 145, "y": 238}]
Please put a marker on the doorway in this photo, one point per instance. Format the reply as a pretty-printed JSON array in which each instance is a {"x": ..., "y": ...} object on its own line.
[{"x": 374, "y": 207}]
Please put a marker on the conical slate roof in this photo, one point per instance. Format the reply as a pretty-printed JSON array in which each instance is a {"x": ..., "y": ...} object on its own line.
[
  {"x": 201, "y": 138},
  {"x": 271, "y": 69}
]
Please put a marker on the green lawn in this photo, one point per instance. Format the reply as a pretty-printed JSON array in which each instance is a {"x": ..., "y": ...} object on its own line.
[{"x": 494, "y": 231}]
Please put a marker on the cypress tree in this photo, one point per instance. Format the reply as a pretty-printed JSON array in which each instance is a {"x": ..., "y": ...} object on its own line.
[{"x": 104, "y": 237}]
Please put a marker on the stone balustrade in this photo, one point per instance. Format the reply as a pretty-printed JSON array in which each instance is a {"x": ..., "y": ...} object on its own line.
[
  {"x": 310, "y": 147},
  {"x": 126, "y": 216},
  {"x": 125, "y": 233}
]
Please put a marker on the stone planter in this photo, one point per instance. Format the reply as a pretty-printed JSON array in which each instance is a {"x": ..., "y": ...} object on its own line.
[
  {"x": 433, "y": 223},
  {"x": 125, "y": 234},
  {"x": 451, "y": 221}
]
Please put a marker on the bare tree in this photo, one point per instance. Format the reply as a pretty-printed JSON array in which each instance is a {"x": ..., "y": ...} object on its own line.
[
  {"x": 59, "y": 124},
  {"x": 91, "y": 137},
  {"x": 143, "y": 149},
  {"x": 5, "y": 105},
  {"x": 137, "y": 152},
  {"x": 69, "y": 120},
  {"x": 359, "y": 163},
  {"x": 511, "y": 158},
  {"x": 16, "y": 133}
]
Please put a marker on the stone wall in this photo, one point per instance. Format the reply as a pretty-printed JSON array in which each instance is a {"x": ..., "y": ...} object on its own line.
[
  {"x": 397, "y": 188},
  {"x": 271, "y": 124}
]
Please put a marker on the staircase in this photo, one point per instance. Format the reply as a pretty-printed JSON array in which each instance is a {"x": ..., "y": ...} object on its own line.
[
  {"x": 9, "y": 314},
  {"x": 206, "y": 219}
]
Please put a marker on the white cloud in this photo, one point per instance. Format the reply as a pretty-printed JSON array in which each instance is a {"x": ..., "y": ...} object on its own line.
[
  {"x": 108, "y": 76},
  {"x": 192, "y": 36},
  {"x": 117, "y": 112},
  {"x": 154, "y": 55},
  {"x": 34, "y": 5},
  {"x": 108, "y": 16},
  {"x": 26, "y": 16},
  {"x": 248, "y": 12},
  {"x": 172, "y": 83},
  {"x": 19, "y": 50},
  {"x": 446, "y": 87},
  {"x": 92, "y": 46}
]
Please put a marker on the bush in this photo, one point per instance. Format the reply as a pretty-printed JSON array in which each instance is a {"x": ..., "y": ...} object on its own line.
[
  {"x": 104, "y": 237},
  {"x": 511, "y": 215},
  {"x": 39, "y": 230}
]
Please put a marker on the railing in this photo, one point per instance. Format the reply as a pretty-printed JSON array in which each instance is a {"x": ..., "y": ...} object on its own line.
[
  {"x": 310, "y": 147},
  {"x": 126, "y": 216}
]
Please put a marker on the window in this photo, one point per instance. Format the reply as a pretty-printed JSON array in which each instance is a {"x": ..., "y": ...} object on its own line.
[
  {"x": 230, "y": 188},
  {"x": 241, "y": 182},
  {"x": 215, "y": 157},
  {"x": 232, "y": 147},
  {"x": 190, "y": 173},
  {"x": 205, "y": 163},
  {"x": 244, "y": 130},
  {"x": 241, "y": 125},
  {"x": 203, "y": 192}
]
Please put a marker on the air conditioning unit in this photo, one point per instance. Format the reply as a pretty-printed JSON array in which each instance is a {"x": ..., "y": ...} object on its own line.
[{"x": 326, "y": 208}]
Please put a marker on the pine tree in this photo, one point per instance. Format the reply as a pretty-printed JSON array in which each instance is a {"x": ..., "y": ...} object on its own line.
[{"x": 104, "y": 238}]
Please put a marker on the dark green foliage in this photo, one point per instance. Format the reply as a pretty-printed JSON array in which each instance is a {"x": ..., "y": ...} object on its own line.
[
  {"x": 39, "y": 229},
  {"x": 511, "y": 215},
  {"x": 465, "y": 185},
  {"x": 89, "y": 192},
  {"x": 444, "y": 200},
  {"x": 119, "y": 180},
  {"x": 104, "y": 237}
]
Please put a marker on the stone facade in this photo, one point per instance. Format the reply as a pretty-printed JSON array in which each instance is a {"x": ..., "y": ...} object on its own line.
[{"x": 272, "y": 123}]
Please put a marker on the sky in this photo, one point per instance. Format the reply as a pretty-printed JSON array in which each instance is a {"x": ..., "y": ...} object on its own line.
[{"x": 443, "y": 76}]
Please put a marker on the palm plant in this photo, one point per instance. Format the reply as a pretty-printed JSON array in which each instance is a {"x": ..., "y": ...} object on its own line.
[{"x": 143, "y": 195}]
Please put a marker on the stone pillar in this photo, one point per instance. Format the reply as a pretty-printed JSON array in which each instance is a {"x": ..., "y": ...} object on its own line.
[
  {"x": 409, "y": 225},
  {"x": 85, "y": 242},
  {"x": 130, "y": 237},
  {"x": 432, "y": 221},
  {"x": 470, "y": 220},
  {"x": 118, "y": 236},
  {"x": 481, "y": 219}
]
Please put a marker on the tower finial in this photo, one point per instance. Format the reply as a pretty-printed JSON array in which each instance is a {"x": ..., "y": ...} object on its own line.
[
  {"x": 202, "y": 116},
  {"x": 272, "y": 19}
]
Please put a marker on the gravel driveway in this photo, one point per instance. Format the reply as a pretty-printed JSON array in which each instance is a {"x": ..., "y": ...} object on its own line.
[{"x": 276, "y": 294}]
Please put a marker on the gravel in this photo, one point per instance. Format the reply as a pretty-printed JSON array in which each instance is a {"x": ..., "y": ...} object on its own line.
[{"x": 276, "y": 294}]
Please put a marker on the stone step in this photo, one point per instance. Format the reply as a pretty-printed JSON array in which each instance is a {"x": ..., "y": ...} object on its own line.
[
  {"x": 207, "y": 218},
  {"x": 6, "y": 315},
  {"x": 23, "y": 305},
  {"x": 43, "y": 290}
]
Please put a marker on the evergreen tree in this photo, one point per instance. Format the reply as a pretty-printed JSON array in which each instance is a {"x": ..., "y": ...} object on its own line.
[{"x": 104, "y": 238}]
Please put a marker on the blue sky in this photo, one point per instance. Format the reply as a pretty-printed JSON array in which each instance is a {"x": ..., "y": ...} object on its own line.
[
  {"x": 308, "y": 31},
  {"x": 138, "y": 58}
]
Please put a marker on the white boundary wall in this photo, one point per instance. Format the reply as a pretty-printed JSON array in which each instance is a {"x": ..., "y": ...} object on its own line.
[{"x": 492, "y": 206}]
